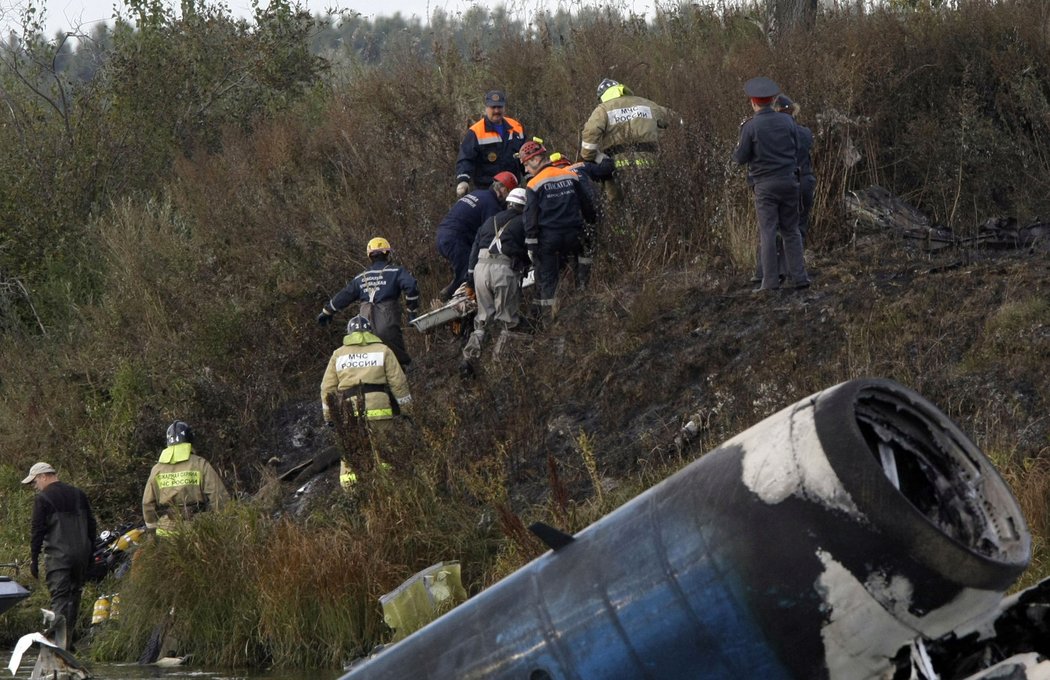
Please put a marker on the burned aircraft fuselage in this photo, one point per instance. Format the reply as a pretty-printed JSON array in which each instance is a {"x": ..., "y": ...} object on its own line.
[{"x": 816, "y": 544}]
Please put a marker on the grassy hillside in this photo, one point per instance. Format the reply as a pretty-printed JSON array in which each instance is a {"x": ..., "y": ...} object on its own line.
[{"x": 175, "y": 271}]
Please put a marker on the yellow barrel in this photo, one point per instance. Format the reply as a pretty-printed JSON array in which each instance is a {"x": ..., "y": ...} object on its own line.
[
  {"x": 129, "y": 539},
  {"x": 100, "y": 612}
]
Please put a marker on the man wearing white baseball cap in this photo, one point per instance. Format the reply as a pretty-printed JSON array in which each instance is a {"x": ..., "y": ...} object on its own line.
[{"x": 63, "y": 528}]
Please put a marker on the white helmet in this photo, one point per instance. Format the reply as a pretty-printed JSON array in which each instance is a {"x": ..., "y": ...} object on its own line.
[{"x": 516, "y": 196}]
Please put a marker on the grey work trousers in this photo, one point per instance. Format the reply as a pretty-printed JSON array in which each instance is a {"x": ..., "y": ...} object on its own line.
[
  {"x": 498, "y": 290},
  {"x": 776, "y": 203}
]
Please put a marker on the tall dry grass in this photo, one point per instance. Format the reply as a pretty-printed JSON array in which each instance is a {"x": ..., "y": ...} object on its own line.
[{"x": 204, "y": 291}]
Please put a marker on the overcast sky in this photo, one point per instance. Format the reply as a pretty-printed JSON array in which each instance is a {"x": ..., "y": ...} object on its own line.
[{"x": 67, "y": 14}]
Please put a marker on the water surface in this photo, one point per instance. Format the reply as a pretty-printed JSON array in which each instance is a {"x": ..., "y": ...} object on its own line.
[{"x": 133, "y": 671}]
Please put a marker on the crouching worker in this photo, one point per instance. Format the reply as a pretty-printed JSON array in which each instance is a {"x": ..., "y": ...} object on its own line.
[
  {"x": 366, "y": 383},
  {"x": 181, "y": 484}
]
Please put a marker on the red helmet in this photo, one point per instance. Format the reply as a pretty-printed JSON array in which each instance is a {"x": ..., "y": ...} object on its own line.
[{"x": 530, "y": 149}]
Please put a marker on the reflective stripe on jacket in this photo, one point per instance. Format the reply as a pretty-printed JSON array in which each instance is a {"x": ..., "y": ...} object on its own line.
[
  {"x": 180, "y": 485},
  {"x": 555, "y": 201},
  {"x": 379, "y": 283},
  {"x": 623, "y": 124},
  {"x": 483, "y": 153},
  {"x": 364, "y": 360}
]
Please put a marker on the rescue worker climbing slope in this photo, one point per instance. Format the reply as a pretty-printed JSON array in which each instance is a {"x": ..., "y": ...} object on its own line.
[
  {"x": 364, "y": 368},
  {"x": 489, "y": 146},
  {"x": 181, "y": 483},
  {"x": 556, "y": 207},
  {"x": 585, "y": 171},
  {"x": 623, "y": 131},
  {"x": 379, "y": 290},
  {"x": 456, "y": 231},
  {"x": 498, "y": 261}
]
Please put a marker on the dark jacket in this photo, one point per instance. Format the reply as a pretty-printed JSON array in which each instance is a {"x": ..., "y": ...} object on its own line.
[
  {"x": 468, "y": 213},
  {"x": 769, "y": 145},
  {"x": 805, "y": 145},
  {"x": 511, "y": 228},
  {"x": 63, "y": 527},
  {"x": 485, "y": 152},
  {"x": 379, "y": 283},
  {"x": 555, "y": 201}
]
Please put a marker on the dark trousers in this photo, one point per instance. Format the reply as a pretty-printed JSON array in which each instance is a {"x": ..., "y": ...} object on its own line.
[
  {"x": 386, "y": 322},
  {"x": 776, "y": 203},
  {"x": 66, "y": 584},
  {"x": 556, "y": 249},
  {"x": 455, "y": 248}
]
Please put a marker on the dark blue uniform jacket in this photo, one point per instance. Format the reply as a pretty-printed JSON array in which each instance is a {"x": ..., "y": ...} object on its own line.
[
  {"x": 555, "y": 202},
  {"x": 379, "y": 283},
  {"x": 466, "y": 215},
  {"x": 487, "y": 150},
  {"x": 769, "y": 145}
]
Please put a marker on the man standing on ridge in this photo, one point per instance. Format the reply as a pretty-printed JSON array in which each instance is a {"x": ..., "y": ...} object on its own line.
[
  {"x": 364, "y": 374},
  {"x": 556, "y": 207},
  {"x": 622, "y": 133},
  {"x": 456, "y": 231},
  {"x": 489, "y": 146},
  {"x": 769, "y": 146},
  {"x": 64, "y": 530},
  {"x": 181, "y": 484},
  {"x": 379, "y": 290}
]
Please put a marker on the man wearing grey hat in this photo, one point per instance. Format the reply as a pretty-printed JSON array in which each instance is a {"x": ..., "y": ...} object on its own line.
[
  {"x": 63, "y": 528},
  {"x": 489, "y": 146},
  {"x": 769, "y": 145}
]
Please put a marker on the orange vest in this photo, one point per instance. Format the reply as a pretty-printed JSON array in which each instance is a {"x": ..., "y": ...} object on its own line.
[{"x": 486, "y": 136}]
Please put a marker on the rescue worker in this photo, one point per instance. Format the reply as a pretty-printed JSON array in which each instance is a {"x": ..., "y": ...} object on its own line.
[
  {"x": 769, "y": 146},
  {"x": 379, "y": 290},
  {"x": 556, "y": 208},
  {"x": 489, "y": 146},
  {"x": 181, "y": 484},
  {"x": 363, "y": 368},
  {"x": 498, "y": 261},
  {"x": 456, "y": 231},
  {"x": 585, "y": 171},
  {"x": 64, "y": 530},
  {"x": 622, "y": 133}
]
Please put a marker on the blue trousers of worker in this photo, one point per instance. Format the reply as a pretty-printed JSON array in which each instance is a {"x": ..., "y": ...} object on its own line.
[{"x": 455, "y": 247}]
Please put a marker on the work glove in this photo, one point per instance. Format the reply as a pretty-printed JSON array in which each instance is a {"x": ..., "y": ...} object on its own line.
[
  {"x": 34, "y": 569},
  {"x": 324, "y": 318},
  {"x": 462, "y": 188}
]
